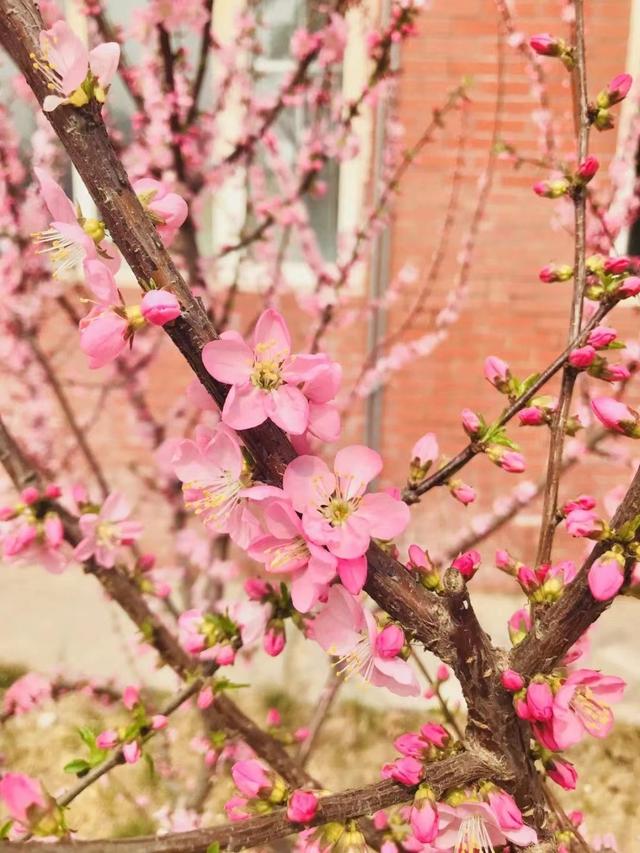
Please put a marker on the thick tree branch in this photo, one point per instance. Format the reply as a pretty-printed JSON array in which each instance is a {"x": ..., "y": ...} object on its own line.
[{"x": 260, "y": 831}]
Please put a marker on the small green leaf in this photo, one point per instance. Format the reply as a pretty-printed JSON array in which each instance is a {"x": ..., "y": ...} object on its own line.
[
  {"x": 214, "y": 847},
  {"x": 6, "y": 827},
  {"x": 78, "y": 766}
]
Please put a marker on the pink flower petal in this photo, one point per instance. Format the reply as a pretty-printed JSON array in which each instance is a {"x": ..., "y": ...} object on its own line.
[
  {"x": 271, "y": 337},
  {"x": 386, "y": 516},
  {"x": 355, "y": 467},
  {"x": 228, "y": 361},
  {"x": 308, "y": 482},
  {"x": 288, "y": 408},
  {"x": 244, "y": 407},
  {"x": 103, "y": 61}
]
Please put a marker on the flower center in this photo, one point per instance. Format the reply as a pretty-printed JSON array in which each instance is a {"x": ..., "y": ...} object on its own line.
[
  {"x": 281, "y": 556},
  {"x": 266, "y": 375},
  {"x": 338, "y": 511},
  {"x": 215, "y": 500},
  {"x": 106, "y": 533},
  {"x": 473, "y": 837},
  {"x": 95, "y": 229},
  {"x": 592, "y": 712},
  {"x": 65, "y": 254}
]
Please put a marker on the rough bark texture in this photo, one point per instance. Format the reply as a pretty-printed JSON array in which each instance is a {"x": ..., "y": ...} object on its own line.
[{"x": 259, "y": 831}]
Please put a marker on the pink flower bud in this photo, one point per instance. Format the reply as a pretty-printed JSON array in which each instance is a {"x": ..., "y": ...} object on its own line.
[
  {"x": 159, "y": 722},
  {"x": 519, "y": 625},
  {"x": 411, "y": 744},
  {"x": 107, "y": 739},
  {"x": 496, "y": 371},
  {"x": 512, "y": 680},
  {"x": 583, "y": 523},
  {"x": 615, "y": 415},
  {"x": 442, "y": 673},
  {"x": 435, "y": 734},
  {"x": 554, "y": 272},
  {"x": 159, "y": 307},
  {"x": 406, "y": 771},
  {"x": 616, "y": 266},
  {"x": 540, "y": 700},
  {"x": 256, "y": 588},
  {"x": 301, "y": 734},
  {"x": 462, "y": 492},
  {"x": 563, "y": 773},
  {"x": 531, "y": 416},
  {"x": 471, "y": 423},
  {"x": 506, "y": 811},
  {"x": 52, "y": 492},
  {"x": 251, "y": 777},
  {"x": 274, "y": 640},
  {"x": 545, "y": 44},
  {"x": 605, "y": 579},
  {"x": 587, "y": 169},
  {"x": 205, "y": 697},
  {"x": 467, "y": 563},
  {"x": 586, "y": 502},
  {"x": 426, "y": 450},
  {"x": 504, "y": 561},
  {"x": 30, "y": 495},
  {"x": 146, "y": 562},
  {"x": 601, "y": 337},
  {"x": 131, "y": 752},
  {"x": 512, "y": 462},
  {"x": 527, "y": 578},
  {"x": 225, "y": 656},
  {"x": 616, "y": 91},
  {"x": 582, "y": 357},
  {"x": 53, "y": 530},
  {"x": 274, "y": 718},
  {"x": 20, "y": 794},
  {"x": 424, "y": 820},
  {"x": 302, "y": 806},
  {"x": 130, "y": 697},
  {"x": 380, "y": 820},
  {"x": 616, "y": 373},
  {"x": 629, "y": 287},
  {"x": 522, "y": 708},
  {"x": 389, "y": 642}
]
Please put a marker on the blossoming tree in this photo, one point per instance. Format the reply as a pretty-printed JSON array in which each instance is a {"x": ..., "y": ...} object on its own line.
[{"x": 249, "y": 442}]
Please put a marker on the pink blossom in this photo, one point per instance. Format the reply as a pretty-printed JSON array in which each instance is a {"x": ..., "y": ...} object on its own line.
[
  {"x": 581, "y": 706},
  {"x": 615, "y": 415},
  {"x": 251, "y": 777},
  {"x": 105, "y": 531},
  {"x": 509, "y": 460},
  {"x": 263, "y": 377},
  {"x": 407, "y": 771},
  {"x": 285, "y": 550},
  {"x": 23, "y": 796},
  {"x": 107, "y": 739},
  {"x": 467, "y": 563},
  {"x": 585, "y": 502},
  {"x": 562, "y": 772},
  {"x": 587, "y": 169},
  {"x": 629, "y": 287},
  {"x": 274, "y": 718},
  {"x": 462, "y": 492},
  {"x": 103, "y": 336},
  {"x": 216, "y": 483},
  {"x": 617, "y": 89},
  {"x": 512, "y": 680},
  {"x": 275, "y": 639},
  {"x": 73, "y": 73},
  {"x": 132, "y": 752},
  {"x": 345, "y": 628},
  {"x": 601, "y": 337},
  {"x": 166, "y": 210},
  {"x": 617, "y": 266},
  {"x": 336, "y": 512},
  {"x": 424, "y": 820},
  {"x": 159, "y": 307},
  {"x": 554, "y": 272},
  {"x": 130, "y": 697},
  {"x": 26, "y": 693},
  {"x": 582, "y": 357},
  {"x": 605, "y": 579},
  {"x": 435, "y": 734},
  {"x": 539, "y": 701},
  {"x": 426, "y": 450},
  {"x": 531, "y": 416},
  {"x": 496, "y": 371},
  {"x": 236, "y": 809},
  {"x": 583, "y": 522},
  {"x": 302, "y": 806},
  {"x": 471, "y": 423},
  {"x": 71, "y": 238},
  {"x": 546, "y": 45},
  {"x": 474, "y": 825}
]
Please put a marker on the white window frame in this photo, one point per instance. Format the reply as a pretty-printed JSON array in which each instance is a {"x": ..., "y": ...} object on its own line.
[{"x": 353, "y": 174}]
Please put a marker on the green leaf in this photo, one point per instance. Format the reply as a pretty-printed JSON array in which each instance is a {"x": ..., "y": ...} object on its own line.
[
  {"x": 529, "y": 382},
  {"x": 214, "y": 847},
  {"x": 6, "y": 827},
  {"x": 78, "y": 766},
  {"x": 87, "y": 736},
  {"x": 149, "y": 761}
]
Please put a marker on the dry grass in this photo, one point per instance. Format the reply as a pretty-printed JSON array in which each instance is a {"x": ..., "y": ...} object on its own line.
[{"x": 355, "y": 742}]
